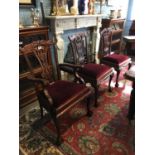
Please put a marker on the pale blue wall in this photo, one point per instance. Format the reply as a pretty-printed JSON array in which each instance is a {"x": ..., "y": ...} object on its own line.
[
  {"x": 25, "y": 17},
  {"x": 128, "y": 17},
  {"x": 25, "y": 13}
]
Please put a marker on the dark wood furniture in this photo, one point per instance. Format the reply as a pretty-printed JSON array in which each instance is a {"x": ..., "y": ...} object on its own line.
[
  {"x": 26, "y": 90},
  {"x": 130, "y": 45},
  {"x": 56, "y": 96},
  {"x": 132, "y": 28},
  {"x": 130, "y": 75},
  {"x": 109, "y": 57},
  {"x": 130, "y": 40},
  {"x": 117, "y": 26},
  {"x": 90, "y": 72}
]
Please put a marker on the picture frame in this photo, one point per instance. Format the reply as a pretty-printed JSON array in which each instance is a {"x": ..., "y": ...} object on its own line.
[{"x": 27, "y": 3}]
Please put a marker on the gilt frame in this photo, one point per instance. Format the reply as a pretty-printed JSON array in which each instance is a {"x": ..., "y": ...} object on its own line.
[{"x": 27, "y": 3}]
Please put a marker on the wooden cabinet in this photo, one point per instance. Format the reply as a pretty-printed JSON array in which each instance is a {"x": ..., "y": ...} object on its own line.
[
  {"x": 26, "y": 89},
  {"x": 117, "y": 26}
]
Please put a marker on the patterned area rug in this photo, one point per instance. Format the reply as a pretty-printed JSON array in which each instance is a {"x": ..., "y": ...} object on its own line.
[{"x": 107, "y": 132}]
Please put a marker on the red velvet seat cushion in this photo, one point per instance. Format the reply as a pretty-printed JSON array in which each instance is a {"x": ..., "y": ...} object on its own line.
[
  {"x": 65, "y": 91},
  {"x": 95, "y": 70},
  {"x": 115, "y": 58}
]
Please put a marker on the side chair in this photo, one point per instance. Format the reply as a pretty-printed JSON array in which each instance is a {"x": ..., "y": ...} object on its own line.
[
  {"x": 106, "y": 56},
  {"x": 55, "y": 96},
  {"x": 92, "y": 73}
]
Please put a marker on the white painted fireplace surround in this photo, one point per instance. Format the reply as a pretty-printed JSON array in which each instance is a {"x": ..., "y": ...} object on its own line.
[{"x": 58, "y": 24}]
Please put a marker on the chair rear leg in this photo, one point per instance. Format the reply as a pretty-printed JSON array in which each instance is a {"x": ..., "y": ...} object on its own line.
[
  {"x": 96, "y": 96},
  {"x": 75, "y": 80},
  {"x": 129, "y": 65},
  {"x": 117, "y": 77},
  {"x": 89, "y": 112},
  {"x": 110, "y": 79},
  {"x": 41, "y": 111},
  {"x": 131, "y": 111}
]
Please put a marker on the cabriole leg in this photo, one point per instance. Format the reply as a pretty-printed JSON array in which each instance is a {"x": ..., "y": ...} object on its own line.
[
  {"x": 110, "y": 79},
  {"x": 89, "y": 112},
  {"x": 117, "y": 77}
]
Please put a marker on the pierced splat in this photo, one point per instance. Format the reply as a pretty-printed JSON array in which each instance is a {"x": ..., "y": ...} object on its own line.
[
  {"x": 40, "y": 50},
  {"x": 105, "y": 42},
  {"x": 79, "y": 48},
  {"x": 41, "y": 53}
]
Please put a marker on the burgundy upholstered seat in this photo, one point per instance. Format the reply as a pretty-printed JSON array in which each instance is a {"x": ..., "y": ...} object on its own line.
[
  {"x": 95, "y": 70},
  {"x": 69, "y": 91},
  {"x": 116, "y": 58}
]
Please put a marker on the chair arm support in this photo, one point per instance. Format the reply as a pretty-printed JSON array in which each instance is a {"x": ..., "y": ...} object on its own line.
[
  {"x": 44, "y": 82},
  {"x": 41, "y": 88},
  {"x": 50, "y": 100}
]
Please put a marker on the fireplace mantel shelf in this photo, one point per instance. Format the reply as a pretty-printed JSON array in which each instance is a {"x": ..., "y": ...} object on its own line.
[
  {"x": 75, "y": 16},
  {"x": 61, "y": 23}
]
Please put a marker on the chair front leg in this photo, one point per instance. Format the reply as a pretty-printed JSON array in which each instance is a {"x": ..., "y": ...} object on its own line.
[
  {"x": 55, "y": 120},
  {"x": 117, "y": 78},
  {"x": 40, "y": 105},
  {"x": 110, "y": 79}
]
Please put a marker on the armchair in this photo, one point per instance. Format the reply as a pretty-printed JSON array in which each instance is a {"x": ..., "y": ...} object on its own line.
[
  {"x": 106, "y": 56},
  {"x": 56, "y": 96},
  {"x": 92, "y": 73}
]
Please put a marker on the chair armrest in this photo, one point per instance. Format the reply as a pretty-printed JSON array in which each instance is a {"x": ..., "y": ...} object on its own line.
[
  {"x": 74, "y": 66},
  {"x": 75, "y": 69}
]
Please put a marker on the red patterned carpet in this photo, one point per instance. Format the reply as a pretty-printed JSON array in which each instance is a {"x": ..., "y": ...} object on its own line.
[{"x": 107, "y": 132}]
